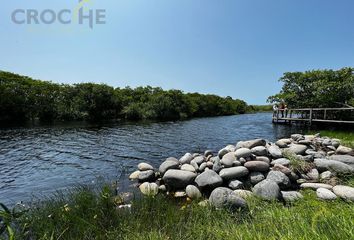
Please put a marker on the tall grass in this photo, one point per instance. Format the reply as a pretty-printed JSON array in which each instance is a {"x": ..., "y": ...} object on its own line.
[{"x": 84, "y": 214}]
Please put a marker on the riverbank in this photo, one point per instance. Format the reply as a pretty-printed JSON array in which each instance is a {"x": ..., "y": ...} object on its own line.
[{"x": 95, "y": 214}]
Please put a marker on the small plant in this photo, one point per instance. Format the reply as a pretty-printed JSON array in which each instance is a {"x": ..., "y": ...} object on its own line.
[
  {"x": 296, "y": 164},
  {"x": 7, "y": 218}
]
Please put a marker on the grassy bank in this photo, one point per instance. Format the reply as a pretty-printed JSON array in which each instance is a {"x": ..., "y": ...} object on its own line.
[
  {"x": 347, "y": 138},
  {"x": 87, "y": 215}
]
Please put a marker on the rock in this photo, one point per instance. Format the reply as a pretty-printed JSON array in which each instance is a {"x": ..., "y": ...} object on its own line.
[
  {"x": 243, "y": 153},
  {"x": 149, "y": 189},
  {"x": 313, "y": 174},
  {"x": 243, "y": 193},
  {"x": 344, "y": 192},
  {"x": 257, "y": 166},
  {"x": 275, "y": 151},
  {"x": 134, "y": 175},
  {"x": 187, "y": 167},
  {"x": 305, "y": 142},
  {"x": 228, "y": 159},
  {"x": 180, "y": 194},
  {"x": 332, "y": 165},
  {"x": 203, "y": 203},
  {"x": 347, "y": 159},
  {"x": 208, "y": 153},
  {"x": 315, "y": 154},
  {"x": 315, "y": 186},
  {"x": 172, "y": 159},
  {"x": 267, "y": 189},
  {"x": 233, "y": 173},
  {"x": 178, "y": 179},
  {"x": 209, "y": 164},
  {"x": 256, "y": 177},
  {"x": 203, "y": 166},
  {"x": 145, "y": 167},
  {"x": 335, "y": 143},
  {"x": 281, "y": 143},
  {"x": 225, "y": 198},
  {"x": 222, "y": 152},
  {"x": 280, "y": 178},
  {"x": 325, "y": 194},
  {"x": 187, "y": 158},
  {"x": 281, "y": 168},
  {"x": 297, "y": 137},
  {"x": 281, "y": 161},
  {"x": 297, "y": 149},
  {"x": 167, "y": 165},
  {"x": 291, "y": 196},
  {"x": 326, "y": 175},
  {"x": 251, "y": 143},
  {"x": 326, "y": 142},
  {"x": 146, "y": 176},
  {"x": 195, "y": 165},
  {"x": 259, "y": 151},
  {"x": 193, "y": 192},
  {"x": 217, "y": 165},
  {"x": 199, "y": 159},
  {"x": 209, "y": 180},
  {"x": 235, "y": 184},
  {"x": 263, "y": 159},
  {"x": 341, "y": 150},
  {"x": 162, "y": 188}
]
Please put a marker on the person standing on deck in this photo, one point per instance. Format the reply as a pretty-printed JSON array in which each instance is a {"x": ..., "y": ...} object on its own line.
[
  {"x": 282, "y": 109},
  {"x": 275, "y": 110}
]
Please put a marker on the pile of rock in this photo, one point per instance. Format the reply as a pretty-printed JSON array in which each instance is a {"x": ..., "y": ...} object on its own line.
[{"x": 255, "y": 167}]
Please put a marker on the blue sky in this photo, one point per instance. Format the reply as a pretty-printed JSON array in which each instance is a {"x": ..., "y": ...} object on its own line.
[{"x": 237, "y": 48}]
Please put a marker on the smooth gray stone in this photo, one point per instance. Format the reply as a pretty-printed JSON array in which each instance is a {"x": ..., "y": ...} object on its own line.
[
  {"x": 280, "y": 178},
  {"x": 233, "y": 173},
  {"x": 256, "y": 177},
  {"x": 243, "y": 153},
  {"x": 332, "y": 165},
  {"x": 209, "y": 179},
  {"x": 344, "y": 192},
  {"x": 235, "y": 184},
  {"x": 325, "y": 194},
  {"x": 267, "y": 189},
  {"x": 187, "y": 158},
  {"x": 347, "y": 159},
  {"x": 193, "y": 192},
  {"x": 145, "y": 167},
  {"x": 178, "y": 179},
  {"x": 251, "y": 143},
  {"x": 259, "y": 151},
  {"x": 315, "y": 186},
  {"x": 257, "y": 166},
  {"x": 146, "y": 176},
  {"x": 281, "y": 161},
  {"x": 225, "y": 198},
  {"x": 228, "y": 159},
  {"x": 275, "y": 151},
  {"x": 297, "y": 149},
  {"x": 168, "y": 164},
  {"x": 291, "y": 196}
]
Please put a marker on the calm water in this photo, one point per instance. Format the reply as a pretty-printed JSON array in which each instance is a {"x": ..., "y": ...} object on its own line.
[{"x": 35, "y": 162}]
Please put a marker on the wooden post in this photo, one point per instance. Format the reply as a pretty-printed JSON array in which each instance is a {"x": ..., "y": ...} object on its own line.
[
  {"x": 310, "y": 116},
  {"x": 325, "y": 114}
]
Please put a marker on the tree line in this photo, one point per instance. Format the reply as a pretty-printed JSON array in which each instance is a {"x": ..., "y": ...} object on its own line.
[
  {"x": 317, "y": 88},
  {"x": 23, "y": 98}
]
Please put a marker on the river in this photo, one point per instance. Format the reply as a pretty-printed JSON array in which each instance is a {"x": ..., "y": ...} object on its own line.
[{"x": 37, "y": 161}]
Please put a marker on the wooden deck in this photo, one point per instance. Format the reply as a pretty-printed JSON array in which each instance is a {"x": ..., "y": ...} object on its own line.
[{"x": 311, "y": 115}]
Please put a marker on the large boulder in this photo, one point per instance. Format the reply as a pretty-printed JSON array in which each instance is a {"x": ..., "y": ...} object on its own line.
[
  {"x": 146, "y": 176},
  {"x": 225, "y": 198},
  {"x": 344, "y": 192},
  {"x": 145, "y": 167},
  {"x": 280, "y": 178},
  {"x": 167, "y": 165},
  {"x": 257, "y": 166},
  {"x": 344, "y": 150},
  {"x": 267, "y": 189},
  {"x": 188, "y": 167},
  {"x": 187, "y": 158},
  {"x": 315, "y": 186},
  {"x": 291, "y": 196},
  {"x": 209, "y": 180},
  {"x": 243, "y": 153},
  {"x": 275, "y": 151},
  {"x": 233, "y": 173},
  {"x": 228, "y": 159},
  {"x": 193, "y": 192},
  {"x": 259, "y": 151},
  {"x": 298, "y": 149},
  {"x": 332, "y": 165},
  {"x": 325, "y": 194},
  {"x": 347, "y": 159},
  {"x": 178, "y": 179},
  {"x": 251, "y": 143}
]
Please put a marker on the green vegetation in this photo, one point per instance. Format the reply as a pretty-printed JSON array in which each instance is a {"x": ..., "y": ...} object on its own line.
[
  {"x": 296, "y": 164},
  {"x": 86, "y": 214},
  {"x": 260, "y": 108},
  {"x": 346, "y": 138},
  {"x": 317, "y": 88},
  {"x": 23, "y": 99}
]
